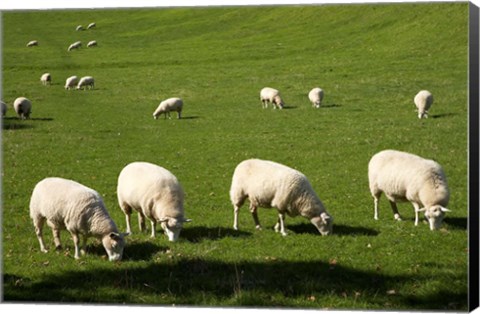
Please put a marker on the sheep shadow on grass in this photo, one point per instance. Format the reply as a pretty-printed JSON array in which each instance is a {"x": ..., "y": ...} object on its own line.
[
  {"x": 200, "y": 233},
  {"x": 442, "y": 115},
  {"x": 306, "y": 228},
  {"x": 15, "y": 123},
  {"x": 456, "y": 222}
]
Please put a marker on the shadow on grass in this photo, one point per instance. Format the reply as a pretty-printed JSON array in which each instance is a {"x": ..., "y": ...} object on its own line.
[
  {"x": 337, "y": 230},
  {"x": 200, "y": 233},
  {"x": 253, "y": 283},
  {"x": 330, "y": 106},
  {"x": 442, "y": 115},
  {"x": 14, "y": 123},
  {"x": 456, "y": 222},
  {"x": 189, "y": 117}
]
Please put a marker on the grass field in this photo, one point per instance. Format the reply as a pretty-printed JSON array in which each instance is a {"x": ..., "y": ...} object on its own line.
[{"x": 371, "y": 60}]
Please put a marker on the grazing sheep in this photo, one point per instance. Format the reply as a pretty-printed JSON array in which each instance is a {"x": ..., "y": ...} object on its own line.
[
  {"x": 154, "y": 192},
  {"x": 270, "y": 95},
  {"x": 170, "y": 104},
  {"x": 91, "y": 25},
  {"x": 71, "y": 82},
  {"x": 87, "y": 82},
  {"x": 92, "y": 43},
  {"x": 423, "y": 101},
  {"x": 270, "y": 184},
  {"x": 46, "y": 79},
  {"x": 32, "y": 43},
  {"x": 80, "y": 28},
  {"x": 75, "y": 45},
  {"x": 316, "y": 97},
  {"x": 407, "y": 177},
  {"x": 66, "y": 204},
  {"x": 4, "y": 108},
  {"x": 23, "y": 107}
]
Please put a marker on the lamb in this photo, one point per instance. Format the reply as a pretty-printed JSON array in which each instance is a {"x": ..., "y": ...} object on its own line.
[
  {"x": 91, "y": 25},
  {"x": 423, "y": 101},
  {"x": 407, "y": 177},
  {"x": 170, "y": 104},
  {"x": 154, "y": 192},
  {"x": 80, "y": 28},
  {"x": 271, "y": 95},
  {"x": 66, "y": 204},
  {"x": 269, "y": 184},
  {"x": 32, "y": 43},
  {"x": 23, "y": 107},
  {"x": 86, "y": 82},
  {"x": 4, "y": 108},
  {"x": 71, "y": 82},
  {"x": 75, "y": 45},
  {"x": 92, "y": 43},
  {"x": 316, "y": 97},
  {"x": 46, "y": 79}
]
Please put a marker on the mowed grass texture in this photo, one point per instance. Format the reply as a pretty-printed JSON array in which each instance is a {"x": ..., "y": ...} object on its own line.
[{"x": 370, "y": 60}]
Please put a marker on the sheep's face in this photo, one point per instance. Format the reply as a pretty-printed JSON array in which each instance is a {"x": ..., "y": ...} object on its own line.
[
  {"x": 324, "y": 223},
  {"x": 114, "y": 244},
  {"x": 172, "y": 227},
  {"x": 435, "y": 215}
]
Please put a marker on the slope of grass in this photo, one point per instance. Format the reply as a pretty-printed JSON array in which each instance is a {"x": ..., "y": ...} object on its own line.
[{"x": 370, "y": 59}]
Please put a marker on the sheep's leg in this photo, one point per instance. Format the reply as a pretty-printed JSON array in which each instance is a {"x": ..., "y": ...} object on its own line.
[
  {"x": 38, "y": 223},
  {"x": 141, "y": 221},
  {"x": 416, "y": 207},
  {"x": 253, "y": 210},
  {"x": 280, "y": 226},
  {"x": 76, "y": 242},
  {"x": 396, "y": 214},
  {"x": 153, "y": 225},
  {"x": 56, "y": 239},
  {"x": 127, "y": 211},
  {"x": 375, "y": 202},
  {"x": 83, "y": 249},
  {"x": 236, "y": 209},
  {"x": 179, "y": 114}
]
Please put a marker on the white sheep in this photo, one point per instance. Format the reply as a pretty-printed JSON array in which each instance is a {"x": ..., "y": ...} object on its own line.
[
  {"x": 271, "y": 95},
  {"x": 4, "y": 108},
  {"x": 407, "y": 177},
  {"x": 269, "y": 184},
  {"x": 23, "y": 107},
  {"x": 75, "y": 45},
  {"x": 80, "y": 28},
  {"x": 423, "y": 101},
  {"x": 86, "y": 82},
  {"x": 71, "y": 82},
  {"x": 92, "y": 43},
  {"x": 170, "y": 104},
  {"x": 154, "y": 192},
  {"x": 91, "y": 25},
  {"x": 32, "y": 43},
  {"x": 66, "y": 204},
  {"x": 46, "y": 79},
  {"x": 316, "y": 97}
]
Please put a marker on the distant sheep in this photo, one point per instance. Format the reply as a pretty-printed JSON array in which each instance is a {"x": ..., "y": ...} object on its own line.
[
  {"x": 75, "y": 45},
  {"x": 80, "y": 28},
  {"x": 92, "y": 43},
  {"x": 407, "y": 177},
  {"x": 4, "y": 108},
  {"x": 71, "y": 82},
  {"x": 271, "y": 95},
  {"x": 86, "y": 82},
  {"x": 154, "y": 192},
  {"x": 316, "y": 97},
  {"x": 46, "y": 79},
  {"x": 423, "y": 101},
  {"x": 270, "y": 184},
  {"x": 91, "y": 25},
  {"x": 23, "y": 107},
  {"x": 66, "y": 204},
  {"x": 32, "y": 43},
  {"x": 170, "y": 104}
]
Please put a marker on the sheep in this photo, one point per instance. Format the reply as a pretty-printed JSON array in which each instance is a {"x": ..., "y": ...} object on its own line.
[
  {"x": 91, "y": 25},
  {"x": 87, "y": 82},
  {"x": 271, "y": 95},
  {"x": 269, "y": 184},
  {"x": 66, "y": 204},
  {"x": 154, "y": 192},
  {"x": 406, "y": 177},
  {"x": 23, "y": 107},
  {"x": 170, "y": 104},
  {"x": 316, "y": 97},
  {"x": 46, "y": 79},
  {"x": 423, "y": 101},
  {"x": 4, "y": 108},
  {"x": 92, "y": 43},
  {"x": 71, "y": 82},
  {"x": 75, "y": 45},
  {"x": 32, "y": 43},
  {"x": 80, "y": 28}
]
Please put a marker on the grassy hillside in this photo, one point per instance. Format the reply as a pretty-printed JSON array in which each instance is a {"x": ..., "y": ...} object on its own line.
[{"x": 371, "y": 60}]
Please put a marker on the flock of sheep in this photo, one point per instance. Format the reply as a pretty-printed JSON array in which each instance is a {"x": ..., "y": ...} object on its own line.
[{"x": 157, "y": 195}]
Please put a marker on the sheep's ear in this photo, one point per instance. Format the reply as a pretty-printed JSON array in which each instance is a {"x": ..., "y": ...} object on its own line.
[
  {"x": 421, "y": 210},
  {"x": 125, "y": 234},
  {"x": 443, "y": 209},
  {"x": 114, "y": 236},
  {"x": 187, "y": 220},
  {"x": 325, "y": 216}
]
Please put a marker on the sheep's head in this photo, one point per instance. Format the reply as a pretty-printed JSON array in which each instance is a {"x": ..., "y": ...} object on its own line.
[
  {"x": 278, "y": 100},
  {"x": 114, "y": 244},
  {"x": 324, "y": 223},
  {"x": 172, "y": 227},
  {"x": 434, "y": 215}
]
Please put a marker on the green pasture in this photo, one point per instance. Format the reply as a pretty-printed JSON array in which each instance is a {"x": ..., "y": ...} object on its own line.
[{"x": 370, "y": 60}]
